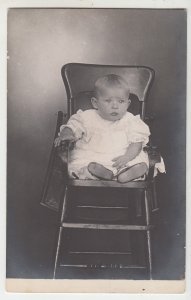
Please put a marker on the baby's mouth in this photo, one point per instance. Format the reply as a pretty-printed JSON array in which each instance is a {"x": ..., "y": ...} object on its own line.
[{"x": 114, "y": 114}]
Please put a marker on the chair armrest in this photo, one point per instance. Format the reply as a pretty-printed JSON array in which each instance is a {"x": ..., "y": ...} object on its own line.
[
  {"x": 63, "y": 150},
  {"x": 154, "y": 157},
  {"x": 153, "y": 154},
  {"x": 60, "y": 120},
  {"x": 52, "y": 187},
  {"x": 149, "y": 119}
]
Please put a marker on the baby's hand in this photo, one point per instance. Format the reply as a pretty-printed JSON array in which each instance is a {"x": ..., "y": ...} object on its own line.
[
  {"x": 60, "y": 142},
  {"x": 120, "y": 161},
  {"x": 65, "y": 135},
  {"x": 57, "y": 141}
]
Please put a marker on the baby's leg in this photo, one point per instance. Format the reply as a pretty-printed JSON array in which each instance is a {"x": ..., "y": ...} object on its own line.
[
  {"x": 100, "y": 171},
  {"x": 133, "y": 172}
]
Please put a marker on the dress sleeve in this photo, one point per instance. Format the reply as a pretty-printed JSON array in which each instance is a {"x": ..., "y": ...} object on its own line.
[
  {"x": 138, "y": 131},
  {"x": 76, "y": 123}
]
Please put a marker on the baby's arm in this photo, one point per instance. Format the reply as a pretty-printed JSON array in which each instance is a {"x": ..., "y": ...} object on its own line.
[
  {"x": 66, "y": 134},
  {"x": 132, "y": 151},
  {"x": 73, "y": 130},
  {"x": 138, "y": 135}
]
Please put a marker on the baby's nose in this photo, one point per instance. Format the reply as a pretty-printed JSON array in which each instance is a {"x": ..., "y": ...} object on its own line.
[{"x": 115, "y": 104}]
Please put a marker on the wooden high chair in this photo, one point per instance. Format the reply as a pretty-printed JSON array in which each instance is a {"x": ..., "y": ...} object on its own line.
[{"x": 108, "y": 215}]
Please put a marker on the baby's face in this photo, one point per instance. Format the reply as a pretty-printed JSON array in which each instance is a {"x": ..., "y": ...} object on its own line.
[{"x": 112, "y": 103}]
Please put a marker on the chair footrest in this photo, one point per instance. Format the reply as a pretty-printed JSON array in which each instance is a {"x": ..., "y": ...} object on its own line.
[
  {"x": 107, "y": 226},
  {"x": 103, "y": 266},
  {"x": 97, "y": 266}
]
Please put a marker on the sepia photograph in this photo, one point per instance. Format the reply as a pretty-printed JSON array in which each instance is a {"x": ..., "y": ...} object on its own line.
[{"x": 96, "y": 144}]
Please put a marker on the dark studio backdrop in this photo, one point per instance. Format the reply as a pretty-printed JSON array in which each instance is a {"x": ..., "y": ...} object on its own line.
[{"x": 40, "y": 41}]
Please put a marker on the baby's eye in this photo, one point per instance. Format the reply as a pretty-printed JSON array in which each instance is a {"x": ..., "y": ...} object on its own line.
[
  {"x": 121, "y": 101},
  {"x": 108, "y": 100}
]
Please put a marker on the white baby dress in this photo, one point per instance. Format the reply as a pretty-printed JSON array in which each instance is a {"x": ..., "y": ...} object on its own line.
[{"x": 100, "y": 140}]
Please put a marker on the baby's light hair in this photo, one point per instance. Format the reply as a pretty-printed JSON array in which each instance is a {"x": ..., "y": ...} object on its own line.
[{"x": 110, "y": 80}]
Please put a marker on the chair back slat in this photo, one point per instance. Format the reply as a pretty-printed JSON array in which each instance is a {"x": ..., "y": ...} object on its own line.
[{"x": 79, "y": 81}]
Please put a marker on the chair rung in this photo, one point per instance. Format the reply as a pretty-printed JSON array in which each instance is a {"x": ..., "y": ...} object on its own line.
[
  {"x": 95, "y": 266},
  {"x": 106, "y": 207},
  {"x": 106, "y": 226},
  {"x": 100, "y": 252}
]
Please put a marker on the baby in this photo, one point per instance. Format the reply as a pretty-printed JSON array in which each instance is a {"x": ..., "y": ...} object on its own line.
[{"x": 109, "y": 140}]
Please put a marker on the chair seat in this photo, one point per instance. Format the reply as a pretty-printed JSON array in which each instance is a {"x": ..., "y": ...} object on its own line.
[{"x": 108, "y": 183}]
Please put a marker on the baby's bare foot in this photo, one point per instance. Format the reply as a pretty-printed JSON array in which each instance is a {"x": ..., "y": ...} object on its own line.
[{"x": 100, "y": 171}]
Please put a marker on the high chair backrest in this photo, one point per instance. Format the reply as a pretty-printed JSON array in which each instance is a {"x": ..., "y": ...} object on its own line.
[{"x": 79, "y": 81}]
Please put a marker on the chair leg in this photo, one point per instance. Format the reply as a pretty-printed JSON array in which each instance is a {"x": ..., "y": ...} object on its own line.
[
  {"x": 139, "y": 198},
  {"x": 147, "y": 213},
  {"x": 57, "y": 252},
  {"x": 63, "y": 210},
  {"x": 155, "y": 200}
]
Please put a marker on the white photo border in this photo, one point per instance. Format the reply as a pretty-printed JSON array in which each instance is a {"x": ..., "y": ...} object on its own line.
[{"x": 154, "y": 4}]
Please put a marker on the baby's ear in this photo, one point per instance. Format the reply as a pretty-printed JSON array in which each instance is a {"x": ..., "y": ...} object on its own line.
[{"x": 94, "y": 102}]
